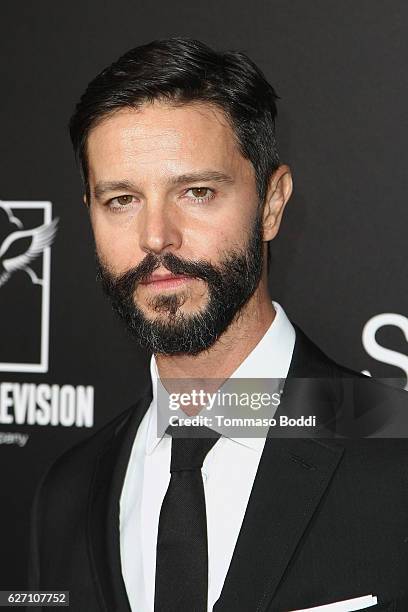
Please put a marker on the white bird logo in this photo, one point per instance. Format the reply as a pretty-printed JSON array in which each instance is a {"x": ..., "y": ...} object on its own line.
[{"x": 41, "y": 238}]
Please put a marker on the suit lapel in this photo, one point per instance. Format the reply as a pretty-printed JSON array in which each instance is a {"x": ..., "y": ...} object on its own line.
[
  {"x": 103, "y": 509},
  {"x": 292, "y": 477}
]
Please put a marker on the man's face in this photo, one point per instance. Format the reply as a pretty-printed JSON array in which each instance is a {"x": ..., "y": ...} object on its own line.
[{"x": 172, "y": 196}]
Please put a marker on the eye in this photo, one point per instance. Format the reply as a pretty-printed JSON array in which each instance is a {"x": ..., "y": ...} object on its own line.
[
  {"x": 120, "y": 202},
  {"x": 200, "y": 194},
  {"x": 125, "y": 199}
]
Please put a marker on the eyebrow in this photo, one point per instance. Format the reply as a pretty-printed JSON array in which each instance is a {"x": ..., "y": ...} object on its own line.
[
  {"x": 208, "y": 175},
  {"x": 102, "y": 187}
]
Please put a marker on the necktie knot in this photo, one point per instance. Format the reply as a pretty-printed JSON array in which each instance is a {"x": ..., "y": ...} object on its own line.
[{"x": 189, "y": 446}]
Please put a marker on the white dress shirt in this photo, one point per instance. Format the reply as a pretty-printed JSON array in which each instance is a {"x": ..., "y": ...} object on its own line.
[{"x": 228, "y": 471}]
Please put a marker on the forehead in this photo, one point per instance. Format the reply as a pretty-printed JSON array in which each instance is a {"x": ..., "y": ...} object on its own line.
[{"x": 165, "y": 138}]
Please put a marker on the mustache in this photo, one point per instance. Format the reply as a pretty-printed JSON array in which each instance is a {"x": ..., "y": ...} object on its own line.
[{"x": 127, "y": 282}]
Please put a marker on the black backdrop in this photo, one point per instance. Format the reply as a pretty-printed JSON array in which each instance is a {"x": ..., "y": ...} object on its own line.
[{"x": 339, "y": 261}]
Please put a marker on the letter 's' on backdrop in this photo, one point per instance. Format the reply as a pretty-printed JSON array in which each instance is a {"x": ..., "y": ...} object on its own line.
[{"x": 339, "y": 266}]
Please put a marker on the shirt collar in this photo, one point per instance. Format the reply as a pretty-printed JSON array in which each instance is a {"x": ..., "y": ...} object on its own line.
[{"x": 270, "y": 358}]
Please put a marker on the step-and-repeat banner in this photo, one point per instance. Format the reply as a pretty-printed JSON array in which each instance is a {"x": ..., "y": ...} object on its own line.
[{"x": 339, "y": 266}]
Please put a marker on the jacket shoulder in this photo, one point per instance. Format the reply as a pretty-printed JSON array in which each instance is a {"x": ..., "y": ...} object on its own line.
[
  {"x": 371, "y": 384},
  {"x": 60, "y": 501},
  {"x": 81, "y": 456},
  {"x": 68, "y": 478},
  {"x": 316, "y": 363}
]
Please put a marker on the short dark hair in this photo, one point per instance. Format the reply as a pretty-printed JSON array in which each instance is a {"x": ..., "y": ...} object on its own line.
[{"x": 183, "y": 70}]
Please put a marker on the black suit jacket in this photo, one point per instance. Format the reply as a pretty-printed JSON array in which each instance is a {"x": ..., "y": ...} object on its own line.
[{"x": 327, "y": 518}]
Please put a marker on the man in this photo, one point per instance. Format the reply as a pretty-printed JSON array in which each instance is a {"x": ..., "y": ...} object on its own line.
[{"x": 185, "y": 191}]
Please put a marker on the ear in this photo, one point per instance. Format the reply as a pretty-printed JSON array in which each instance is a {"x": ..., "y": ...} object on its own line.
[
  {"x": 85, "y": 200},
  {"x": 279, "y": 192}
]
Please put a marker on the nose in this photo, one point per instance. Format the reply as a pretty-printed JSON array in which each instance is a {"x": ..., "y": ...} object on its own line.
[{"x": 159, "y": 230}]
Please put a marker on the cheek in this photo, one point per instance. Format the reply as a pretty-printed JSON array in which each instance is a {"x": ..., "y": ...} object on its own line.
[
  {"x": 117, "y": 248},
  {"x": 211, "y": 245}
]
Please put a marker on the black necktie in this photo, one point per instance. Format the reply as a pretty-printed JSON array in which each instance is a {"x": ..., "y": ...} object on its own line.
[{"x": 182, "y": 554}]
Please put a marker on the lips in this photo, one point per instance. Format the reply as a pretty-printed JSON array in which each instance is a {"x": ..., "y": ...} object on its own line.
[{"x": 158, "y": 278}]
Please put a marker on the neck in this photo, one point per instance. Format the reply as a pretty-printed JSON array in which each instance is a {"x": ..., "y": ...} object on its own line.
[{"x": 231, "y": 348}]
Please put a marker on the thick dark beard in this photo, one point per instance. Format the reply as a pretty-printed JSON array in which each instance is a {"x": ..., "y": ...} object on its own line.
[{"x": 230, "y": 286}]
